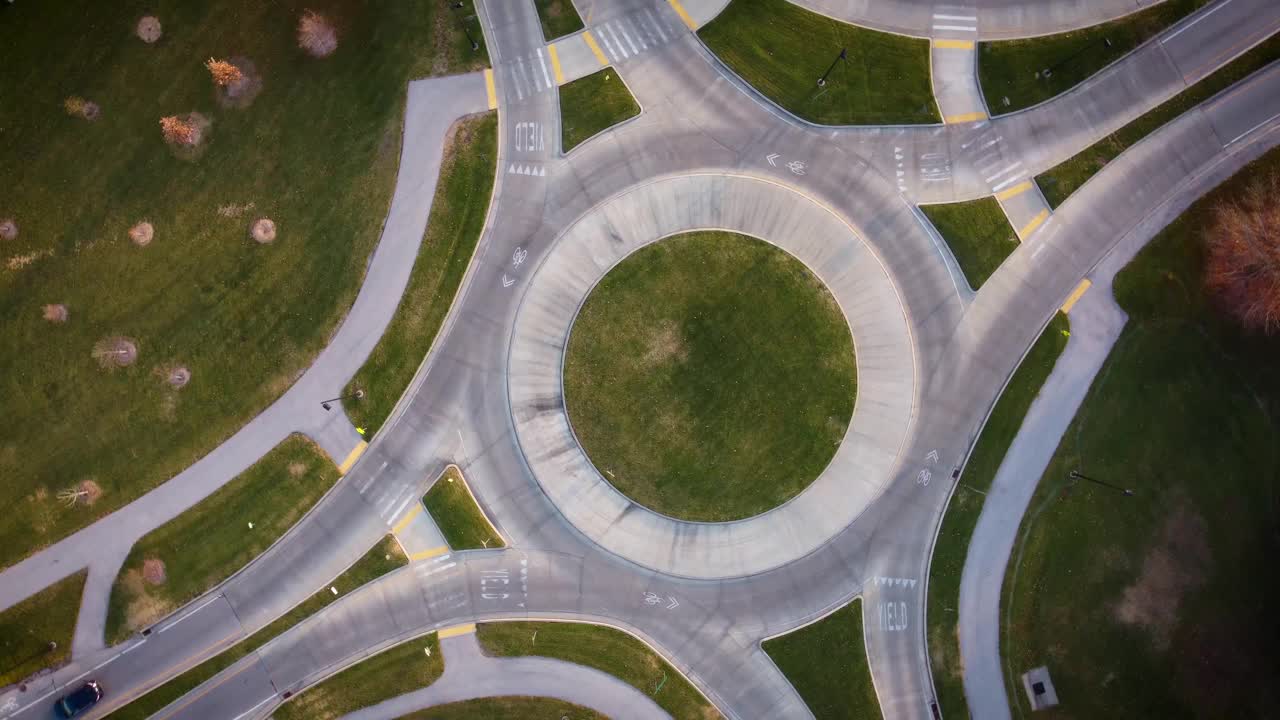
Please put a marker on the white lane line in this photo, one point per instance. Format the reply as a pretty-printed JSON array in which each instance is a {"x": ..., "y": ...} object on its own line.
[
  {"x": 1016, "y": 164},
  {"x": 1013, "y": 179},
  {"x": 1255, "y": 127},
  {"x": 992, "y": 142},
  {"x": 255, "y": 707},
  {"x": 657, "y": 25},
  {"x": 442, "y": 568},
  {"x": 391, "y": 501},
  {"x": 33, "y": 702},
  {"x": 1192, "y": 24},
  {"x": 621, "y": 48},
  {"x": 608, "y": 46},
  {"x": 962, "y": 28},
  {"x": 644, "y": 32},
  {"x": 108, "y": 661},
  {"x": 623, "y": 29},
  {"x": 543, "y": 64},
  {"x": 400, "y": 509},
  {"x": 203, "y": 605},
  {"x": 373, "y": 476},
  {"x": 970, "y": 18},
  {"x": 515, "y": 82}
]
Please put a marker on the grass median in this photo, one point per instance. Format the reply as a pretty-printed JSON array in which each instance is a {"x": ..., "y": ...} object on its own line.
[
  {"x": 404, "y": 668},
  {"x": 1061, "y": 181},
  {"x": 826, "y": 662},
  {"x": 1014, "y": 69},
  {"x": 37, "y": 632},
  {"x": 201, "y": 302},
  {"x": 385, "y": 557},
  {"x": 605, "y": 649},
  {"x": 203, "y": 546},
  {"x": 458, "y": 516},
  {"x": 558, "y": 18},
  {"x": 511, "y": 707},
  {"x": 782, "y": 50},
  {"x": 1158, "y": 605},
  {"x": 592, "y": 104},
  {"x": 684, "y": 384},
  {"x": 966, "y": 505},
  {"x": 978, "y": 234},
  {"x": 457, "y": 218}
]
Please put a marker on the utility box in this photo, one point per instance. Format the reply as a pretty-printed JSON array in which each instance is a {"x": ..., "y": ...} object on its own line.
[{"x": 1039, "y": 688}]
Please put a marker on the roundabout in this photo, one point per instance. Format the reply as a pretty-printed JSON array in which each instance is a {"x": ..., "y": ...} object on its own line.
[{"x": 710, "y": 376}]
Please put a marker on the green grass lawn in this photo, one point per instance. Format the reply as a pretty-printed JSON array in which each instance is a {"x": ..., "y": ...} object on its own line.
[
  {"x": 591, "y": 104},
  {"x": 272, "y": 494},
  {"x": 782, "y": 49},
  {"x": 1015, "y": 68},
  {"x": 558, "y": 18},
  {"x": 513, "y": 707},
  {"x": 1059, "y": 182},
  {"x": 456, "y": 513},
  {"x": 605, "y": 649},
  {"x": 978, "y": 234},
  {"x": 316, "y": 152},
  {"x": 26, "y": 629},
  {"x": 404, "y": 668},
  {"x": 966, "y": 505},
  {"x": 382, "y": 559},
  {"x": 457, "y": 219},
  {"x": 827, "y": 664},
  {"x": 685, "y": 385},
  {"x": 1160, "y": 604}
]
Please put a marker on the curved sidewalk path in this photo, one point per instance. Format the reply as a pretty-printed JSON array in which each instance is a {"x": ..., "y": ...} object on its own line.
[
  {"x": 433, "y": 105},
  {"x": 1096, "y": 324},
  {"x": 470, "y": 674}
]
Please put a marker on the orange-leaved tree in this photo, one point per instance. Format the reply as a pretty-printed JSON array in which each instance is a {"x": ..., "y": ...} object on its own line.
[
  {"x": 224, "y": 72},
  {"x": 1242, "y": 268},
  {"x": 178, "y": 131}
]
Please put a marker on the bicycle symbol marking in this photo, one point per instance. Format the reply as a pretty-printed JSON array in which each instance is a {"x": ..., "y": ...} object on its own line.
[{"x": 517, "y": 256}]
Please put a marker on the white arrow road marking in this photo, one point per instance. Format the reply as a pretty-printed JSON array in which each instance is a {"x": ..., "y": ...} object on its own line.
[
  {"x": 771, "y": 157},
  {"x": 506, "y": 281},
  {"x": 932, "y": 456},
  {"x": 674, "y": 603}
]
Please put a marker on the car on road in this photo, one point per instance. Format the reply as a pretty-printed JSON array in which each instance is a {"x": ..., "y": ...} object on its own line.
[{"x": 83, "y": 698}]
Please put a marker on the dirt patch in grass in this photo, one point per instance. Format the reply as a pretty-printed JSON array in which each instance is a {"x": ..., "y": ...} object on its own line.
[
  {"x": 153, "y": 571},
  {"x": 55, "y": 313},
  {"x": 115, "y": 352},
  {"x": 1176, "y": 564},
  {"x": 665, "y": 345},
  {"x": 88, "y": 491}
]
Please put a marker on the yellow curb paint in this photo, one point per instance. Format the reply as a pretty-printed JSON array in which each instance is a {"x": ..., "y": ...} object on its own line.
[
  {"x": 595, "y": 47},
  {"x": 408, "y": 517},
  {"x": 967, "y": 117},
  {"x": 1075, "y": 296},
  {"x": 456, "y": 630},
  {"x": 675, "y": 4},
  {"x": 1014, "y": 191},
  {"x": 490, "y": 89},
  {"x": 953, "y": 44},
  {"x": 555, "y": 64},
  {"x": 1036, "y": 222},
  {"x": 426, "y": 554},
  {"x": 352, "y": 457}
]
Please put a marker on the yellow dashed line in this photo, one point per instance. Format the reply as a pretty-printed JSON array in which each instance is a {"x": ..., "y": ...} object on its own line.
[
  {"x": 1076, "y": 295},
  {"x": 408, "y": 518},
  {"x": 352, "y": 457},
  {"x": 1014, "y": 191},
  {"x": 456, "y": 630},
  {"x": 675, "y": 4},
  {"x": 967, "y": 117},
  {"x": 426, "y": 554},
  {"x": 555, "y": 64},
  {"x": 1036, "y": 222},
  {"x": 490, "y": 89},
  {"x": 953, "y": 44},
  {"x": 595, "y": 48}
]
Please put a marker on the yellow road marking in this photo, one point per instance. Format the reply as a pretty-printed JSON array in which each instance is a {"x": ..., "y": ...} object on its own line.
[
  {"x": 1076, "y": 294},
  {"x": 967, "y": 117},
  {"x": 555, "y": 64},
  {"x": 408, "y": 517},
  {"x": 1014, "y": 191},
  {"x": 953, "y": 44},
  {"x": 456, "y": 630},
  {"x": 489, "y": 88},
  {"x": 433, "y": 552},
  {"x": 352, "y": 457},
  {"x": 595, "y": 48},
  {"x": 683, "y": 15},
  {"x": 1036, "y": 222}
]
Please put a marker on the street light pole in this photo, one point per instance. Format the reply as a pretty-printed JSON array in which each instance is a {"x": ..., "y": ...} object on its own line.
[
  {"x": 844, "y": 54},
  {"x": 327, "y": 404},
  {"x": 1077, "y": 475}
]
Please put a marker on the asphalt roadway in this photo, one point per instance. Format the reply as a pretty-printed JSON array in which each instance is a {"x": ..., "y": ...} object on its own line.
[{"x": 708, "y": 152}]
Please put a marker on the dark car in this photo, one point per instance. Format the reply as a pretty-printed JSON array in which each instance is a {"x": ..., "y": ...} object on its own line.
[{"x": 82, "y": 699}]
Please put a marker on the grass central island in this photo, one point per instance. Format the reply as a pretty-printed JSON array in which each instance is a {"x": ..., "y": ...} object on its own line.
[{"x": 710, "y": 376}]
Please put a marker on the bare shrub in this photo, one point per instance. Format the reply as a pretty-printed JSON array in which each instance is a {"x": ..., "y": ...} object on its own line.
[
  {"x": 178, "y": 377},
  {"x": 56, "y": 313},
  {"x": 263, "y": 230},
  {"x": 8, "y": 229},
  {"x": 142, "y": 234},
  {"x": 153, "y": 571},
  {"x": 1242, "y": 269},
  {"x": 115, "y": 352},
  {"x": 316, "y": 35},
  {"x": 148, "y": 29}
]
